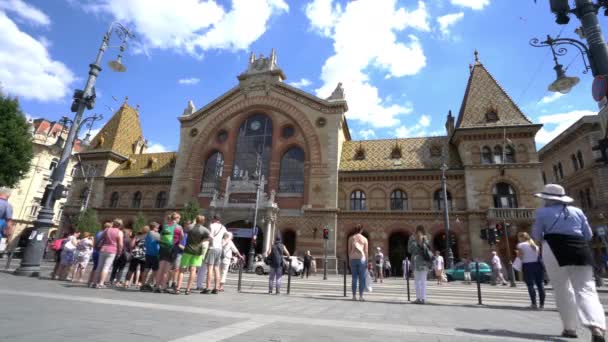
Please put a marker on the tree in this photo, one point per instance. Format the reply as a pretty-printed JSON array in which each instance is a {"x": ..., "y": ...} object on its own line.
[
  {"x": 139, "y": 222},
  {"x": 190, "y": 212},
  {"x": 15, "y": 142},
  {"x": 88, "y": 221}
]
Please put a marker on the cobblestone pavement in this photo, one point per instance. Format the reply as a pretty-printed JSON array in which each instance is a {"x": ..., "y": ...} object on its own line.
[{"x": 43, "y": 310}]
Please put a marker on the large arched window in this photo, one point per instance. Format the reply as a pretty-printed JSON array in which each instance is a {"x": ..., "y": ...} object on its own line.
[
  {"x": 357, "y": 200},
  {"x": 291, "y": 175},
  {"x": 504, "y": 196},
  {"x": 439, "y": 203},
  {"x": 136, "y": 203},
  {"x": 212, "y": 173},
  {"x": 398, "y": 200},
  {"x": 254, "y": 140},
  {"x": 497, "y": 154},
  {"x": 486, "y": 155},
  {"x": 114, "y": 200},
  {"x": 161, "y": 199},
  {"x": 509, "y": 154}
]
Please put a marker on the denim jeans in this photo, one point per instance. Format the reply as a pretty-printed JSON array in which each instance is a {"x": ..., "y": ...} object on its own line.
[
  {"x": 275, "y": 273},
  {"x": 358, "y": 267},
  {"x": 534, "y": 275}
]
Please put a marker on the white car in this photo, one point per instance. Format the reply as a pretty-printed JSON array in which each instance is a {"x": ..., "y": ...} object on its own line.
[
  {"x": 260, "y": 267},
  {"x": 297, "y": 266}
]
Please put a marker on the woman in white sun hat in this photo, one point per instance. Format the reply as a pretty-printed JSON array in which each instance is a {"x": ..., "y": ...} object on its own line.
[{"x": 565, "y": 235}]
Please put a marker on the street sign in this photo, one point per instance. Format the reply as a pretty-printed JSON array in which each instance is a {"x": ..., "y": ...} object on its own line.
[{"x": 599, "y": 88}]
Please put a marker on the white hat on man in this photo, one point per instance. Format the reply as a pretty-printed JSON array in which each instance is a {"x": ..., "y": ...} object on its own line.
[{"x": 554, "y": 192}]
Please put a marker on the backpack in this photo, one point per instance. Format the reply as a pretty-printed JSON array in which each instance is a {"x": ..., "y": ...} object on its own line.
[
  {"x": 427, "y": 255},
  {"x": 379, "y": 259},
  {"x": 166, "y": 235},
  {"x": 139, "y": 251},
  {"x": 276, "y": 256},
  {"x": 57, "y": 244}
]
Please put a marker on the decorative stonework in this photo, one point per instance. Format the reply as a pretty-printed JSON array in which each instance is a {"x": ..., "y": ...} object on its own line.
[{"x": 194, "y": 132}]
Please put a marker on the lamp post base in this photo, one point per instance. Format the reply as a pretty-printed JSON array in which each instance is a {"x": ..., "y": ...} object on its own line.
[
  {"x": 250, "y": 260},
  {"x": 34, "y": 251}
]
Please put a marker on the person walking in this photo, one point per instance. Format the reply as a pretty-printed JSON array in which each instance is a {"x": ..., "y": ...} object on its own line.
[
  {"x": 84, "y": 249},
  {"x": 565, "y": 234},
  {"x": 138, "y": 258},
  {"x": 405, "y": 265},
  {"x": 467, "y": 265},
  {"x": 529, "y": 254},
  {"x": 358, "y": 255},
  {"x": 228, "y": 250},
  {"x": 497, "y": 269},
  {"x": 152, "y": 242},
  {"x": 379, "y": 265},
  {"x": 111, "y": 244},
  {"x": 276, "y": 263},
  {"x": 387, "y": 268},
  {"x": 419, "y": 249},
  {"x": 438, "y": 266},
  {"x": 307, "y": 264},
  {"x": 194, "y": 253},
  {"x": 6, "y": 213},
  {"x": 214, "y": 255},
  {"x": 170, "y": 236}
]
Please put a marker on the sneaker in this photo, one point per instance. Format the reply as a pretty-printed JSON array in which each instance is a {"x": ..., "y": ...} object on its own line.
[
  {"x": 205, "y": 291},
  {"x": 533, "y": 307},
  {"x": 215, "y": 291}
]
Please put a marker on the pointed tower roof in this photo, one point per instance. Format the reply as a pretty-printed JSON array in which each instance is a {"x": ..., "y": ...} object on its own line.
[
  {"x": 121, "y": 133},
  {"x": 486, "y": 104}
]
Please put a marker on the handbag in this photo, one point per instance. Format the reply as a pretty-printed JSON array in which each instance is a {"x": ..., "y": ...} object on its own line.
[
  {"x": 99, "y": 243},
  {"x": 368, "y": 281}
]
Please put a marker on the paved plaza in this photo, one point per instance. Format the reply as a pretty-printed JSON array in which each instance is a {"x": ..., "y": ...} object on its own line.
[{"x": 44, "y": 310}]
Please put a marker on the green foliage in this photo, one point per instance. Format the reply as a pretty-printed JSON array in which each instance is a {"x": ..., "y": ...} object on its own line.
[
  {"x": 138, "y": 222},
  {"x": 88, "y": 221},
  {"x": 190, "y": 211},
  {"x": 15, "y": 142}
]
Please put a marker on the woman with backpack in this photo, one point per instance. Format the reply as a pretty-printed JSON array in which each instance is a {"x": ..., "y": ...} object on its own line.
[
  {"x": 138, "y": 258},
  {"x": 419, "y": 248},
  {"x": 57, "y": 247},
  {"x": 275, "y": 261}
]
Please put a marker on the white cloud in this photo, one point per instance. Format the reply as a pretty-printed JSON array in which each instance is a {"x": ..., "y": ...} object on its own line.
[
  {"x": 26, "y": 67},
  {"x": 448, "y": 20},
  {"x": 550, "y": 98},
  {"x": 359, "y": 48},
  {"x": 301, "y": 83},
  {"x": 559, "y": 122},
  {"x": 417, "y": 130},
  {"x": 26, "y": 12},
  {"x": 156, "y": 148},
  {"x": 193, "y": 26},
  {"x": 367, "y": 133},
  {"x": 472, "y": 4},
  {"x": 189, "y": 81},
  {"x": 425, "y": 121}
]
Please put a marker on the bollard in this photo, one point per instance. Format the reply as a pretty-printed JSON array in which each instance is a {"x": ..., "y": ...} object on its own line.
[
  {"x": 345, "y": 278},
  {"x": 289, "y": 271},
  {"x": 478, "y": 278},
  {"x": 240, "y": 276},
  {"x": 407, "y": 280}
]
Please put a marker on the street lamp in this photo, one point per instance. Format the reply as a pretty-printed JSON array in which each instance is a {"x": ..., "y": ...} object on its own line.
[
  {"x": 446, "y": 216},
  {"x": 258, "y": 185},
  {"x": 55, "y": 190}
]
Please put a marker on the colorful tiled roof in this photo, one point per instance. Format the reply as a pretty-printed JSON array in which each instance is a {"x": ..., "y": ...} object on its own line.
[
  {"x": 483, "y": 96},
  {"x": 147, "y": 165},
  {"x": 120, "y": 133},
  {"x": 397, "y": 154}
]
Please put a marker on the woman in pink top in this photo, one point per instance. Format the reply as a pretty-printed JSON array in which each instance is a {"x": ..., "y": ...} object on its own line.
[{"x": 111, "y": 245}]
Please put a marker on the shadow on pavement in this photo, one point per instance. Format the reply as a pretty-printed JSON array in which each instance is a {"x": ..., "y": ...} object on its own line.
[{"x": 509, "y": 333}]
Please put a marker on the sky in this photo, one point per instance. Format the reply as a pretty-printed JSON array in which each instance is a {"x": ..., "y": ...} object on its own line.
[{"x": 403, "y": 64}]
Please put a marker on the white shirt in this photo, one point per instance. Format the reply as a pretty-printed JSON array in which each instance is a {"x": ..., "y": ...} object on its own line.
[
  {"x": 527, "y": 253},
  {"x": 438, "y": 262},
  {"x": 228, "y": 249},
  {"x": 496, "y": 262},
  {"x": 217, "y": 235}
]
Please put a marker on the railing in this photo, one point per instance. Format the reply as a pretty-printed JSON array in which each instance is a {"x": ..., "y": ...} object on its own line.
[{"x": 511, "y": 213}]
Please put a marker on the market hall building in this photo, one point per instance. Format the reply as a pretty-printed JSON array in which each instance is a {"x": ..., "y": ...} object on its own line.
[{"x": 297, "y": 149}]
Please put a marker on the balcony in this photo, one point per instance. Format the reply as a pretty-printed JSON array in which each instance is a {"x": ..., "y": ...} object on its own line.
[{"x": 511, "y": 214}]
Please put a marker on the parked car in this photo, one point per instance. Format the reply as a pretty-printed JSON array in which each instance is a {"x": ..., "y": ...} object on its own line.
[
  {"x": 297, "y": 265},
  {"x": 457, "y": 272},
  {"x": 261, "y": 267}
]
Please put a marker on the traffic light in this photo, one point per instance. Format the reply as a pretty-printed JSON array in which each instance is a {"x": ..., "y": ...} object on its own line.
[
  {"x": 602, "y": 146},
  {"x": 492, "y": 236},
  {"x": 484, "y": 234},
  {"x": 325, "y": 233},
  {"x": 499, "y": 231}
]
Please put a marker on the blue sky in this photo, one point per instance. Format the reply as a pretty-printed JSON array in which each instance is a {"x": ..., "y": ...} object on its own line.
[{"x": 403, "y": 64}]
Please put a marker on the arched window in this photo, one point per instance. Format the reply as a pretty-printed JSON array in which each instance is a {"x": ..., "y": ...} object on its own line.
[
  {"x": 114, "y": 200},
  {"x": 357, "y": 200},
  {"x": 291, "y": 175},
  {"x": 439, "y": 203},
  {"x": 561, "y": 170},
  {"x": 486, "y": 155},
  {"x": 588, "y": 195},
  {"x": 136, "y": 203},
  {"x": 555, "y": 174},
  {"x": 84, "y": 193},
  {"x": 161, "y": 199},
  {"x": 582, "y": 199},
  {"x": 504, "y": 196},
  {"x": 497, "y": 154},
  {"x": 254, "y": 139},
  {"x": 544, "y": 178},
  {"x": 581, "y": 162},
  {"x": 212, "y": 173},
  {"x": 54, "y": 164},
  {"x": 398, "y": 200},
  {"x": 509, "y": 154},
  {"x": 574, "y": 162}
]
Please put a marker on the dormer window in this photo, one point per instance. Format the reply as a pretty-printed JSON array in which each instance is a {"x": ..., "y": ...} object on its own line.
[
  {"x": 151, "y": 162},
  {"x": 435, "y": 151},
  {"x": 359, "y": 153},
  {"x": 491, "y": 116},
  {"x": 396, "y": 152}
]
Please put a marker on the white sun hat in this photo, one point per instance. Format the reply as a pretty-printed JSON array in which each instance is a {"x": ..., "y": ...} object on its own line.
[{"x": 554, "y": 192}]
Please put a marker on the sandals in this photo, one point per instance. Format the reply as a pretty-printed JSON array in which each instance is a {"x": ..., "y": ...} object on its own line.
[
  {"x": 569, "y": 334},
  {"x": 187, "y": 292},
  {"x": 177, "y": 292}
]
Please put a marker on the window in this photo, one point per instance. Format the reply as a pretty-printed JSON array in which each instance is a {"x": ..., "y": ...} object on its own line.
[
  {"x": 581, "y": 162},
  {"x": 291, "y": 175},
  {"x": 574, "y": 162},
  {"x": 161, "y": 199},
  {"x": 396, "y": 152},
  {"x": 439, "y": 202},
  {"x": 582, "y": 199},
  {"x": 212, "y": 173},
  {"x": 222, "y": 136},
  {"x": 504, "y": 196},
  {"x": 486, "y": 155},
  {"x": 288, "y": 131},
  {"x": 84, "y": 193},
  {"x": 509, "y": 154},
  {"x": 588, "y": 195},
  {"x": 54, "y": 164},
  {"x": 544, "y": 178},
  {"x": 136, "y": 203},
  {"x": 555, "y": 174},
  {"x": 357, "y": 200},
  {"x": 561, "y": 170},
  {"x": 398, "y": 200},
  {"x": 497, "y": 154},
  {"x": 254, "y": 139},
  {"x": 114, "y": 200},
  {"x": 359, "y": 153},
  {"x": 491, "y": 116}
]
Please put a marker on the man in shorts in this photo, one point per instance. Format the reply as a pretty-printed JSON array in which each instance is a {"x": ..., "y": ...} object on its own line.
[
  {"x": 194, "y": 252},
  {"x": 214, "y": 255},
  {"x": 170, "y": 236},
  {"x": 151, "y": 263}
]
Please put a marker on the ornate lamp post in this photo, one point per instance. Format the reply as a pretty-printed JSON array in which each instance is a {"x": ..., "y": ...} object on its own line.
[
  {"x": 446, "y": 217},
  {"x": 55, "y": 190},
  {"x": 254, "y": 228}
]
